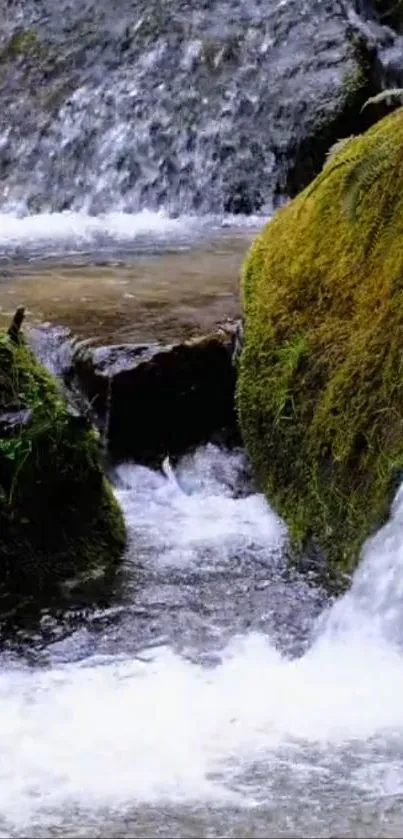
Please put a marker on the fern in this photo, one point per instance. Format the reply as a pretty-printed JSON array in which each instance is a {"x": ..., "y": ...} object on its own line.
[
  {"x": 360, "y": 178},
  {"x": 336, "y": 148},
  {"x": 325, "y": 173},
  {"x": 387, "y": 96},
  {"x": 385, "y": 211},
  {"x": 382, "y": 162}
]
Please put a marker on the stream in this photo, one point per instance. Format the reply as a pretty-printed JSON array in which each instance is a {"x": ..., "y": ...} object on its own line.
[
  {"x": 215, "y": 694},
  {"x": 210, "y": 690}
]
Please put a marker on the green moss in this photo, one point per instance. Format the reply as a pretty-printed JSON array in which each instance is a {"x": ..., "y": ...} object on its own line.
[
  {"x": 354, "y": 82},
  {"x": 320, "y": 389},
  {"x": 24, "y": 42},
  {"x": 58, "y": 515}
]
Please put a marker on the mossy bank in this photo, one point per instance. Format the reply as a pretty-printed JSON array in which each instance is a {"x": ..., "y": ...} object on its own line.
[
  {"x": 320, "y": 388},
  {"x": 58, "y": 515}
]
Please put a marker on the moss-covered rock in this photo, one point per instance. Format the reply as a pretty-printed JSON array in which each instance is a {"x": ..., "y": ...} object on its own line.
[
  {"x": 58, "y": 515},
  {"x": 320, "y": 389},
  {"x": 22, "y": 43}
]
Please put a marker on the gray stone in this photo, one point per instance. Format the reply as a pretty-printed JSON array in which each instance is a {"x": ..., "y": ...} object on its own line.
[{"x": 150, "y": 401}]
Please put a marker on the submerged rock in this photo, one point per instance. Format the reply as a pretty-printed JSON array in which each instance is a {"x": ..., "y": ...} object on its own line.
[
  {"x": 151, "y": 400},
  {"x": 58, "y": 516},
  {"x": 320, "y": 390}
]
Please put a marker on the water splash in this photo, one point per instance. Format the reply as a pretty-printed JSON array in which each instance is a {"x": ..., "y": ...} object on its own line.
[
  {"x": 77, "y": 233},
  {"x": 113, "y": 730}
]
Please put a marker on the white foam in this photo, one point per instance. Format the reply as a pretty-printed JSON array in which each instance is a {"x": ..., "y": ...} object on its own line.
[
  {"x": 109, "y": 733},
  {"x": 121, "y": 732},
  {"x": 73, "y": 232},
  {"x": 192, "y": 512},
  {"x": 80, "y": 230}
]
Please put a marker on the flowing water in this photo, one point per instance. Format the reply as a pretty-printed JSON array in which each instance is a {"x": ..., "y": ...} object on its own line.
[
  {"x": 123, "y": 278},
  {"x": 216, "y": 694},
  {"x": 208, "y": 690},
  {"x": 215, "y": 108},
  {"x": 162, "y": 104}
]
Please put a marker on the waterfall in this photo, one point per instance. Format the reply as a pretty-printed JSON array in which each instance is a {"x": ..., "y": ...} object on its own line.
[{"x": 166, "y": 107}]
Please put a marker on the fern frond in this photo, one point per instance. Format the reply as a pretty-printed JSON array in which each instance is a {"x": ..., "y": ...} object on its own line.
[
  {"x": 387, "y": 96},
  {"x": 336, "y": 148},
  {"x": 325, "y": 173},
  {"x": 384, "y": 215},
  {"x": 360, "y": 178},
  {"x": 360, "y": 171}
]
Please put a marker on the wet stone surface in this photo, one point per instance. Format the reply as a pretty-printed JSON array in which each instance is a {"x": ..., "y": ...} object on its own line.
[
  {"x": 218, "y": 109},
  {"x": 153, "y": 401}
]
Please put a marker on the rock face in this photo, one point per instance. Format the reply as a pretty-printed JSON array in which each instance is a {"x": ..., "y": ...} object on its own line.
[
  {"x": 214, "y": 109},
  {"x": 58, "y": 516},
  {"x": 153, "y": 401},
  {"x": 320, "y": 391},
  {"x": 390, "y": 12}
]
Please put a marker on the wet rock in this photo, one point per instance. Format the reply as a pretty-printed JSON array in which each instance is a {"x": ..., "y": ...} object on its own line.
[
  {"x": 320, "y": 395},
  {"x": 58, "y": 516},
  {"x": 241, "y": 200},
  {"x": 10, "y": 420},
  {"x": 162, "y": 103},
  {"x": 390, "y": 12},
  {"x": 304, "y": 157},
  {"x": 153, "y": 400}
]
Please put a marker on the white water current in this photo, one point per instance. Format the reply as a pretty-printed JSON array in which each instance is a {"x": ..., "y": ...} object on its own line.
[
  {"x": 254, "y": 742},
  {"x": 218, "y": 694},
  {"x": 74, "y": 233}
]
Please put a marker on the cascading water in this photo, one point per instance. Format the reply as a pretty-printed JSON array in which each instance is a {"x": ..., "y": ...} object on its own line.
[
  {"x": 154, "y": 122},
  {"x": 197, "y": 712},
  {"x": 217, "y": 693},
  {"x": 161, "y": 106},
  {"x": 164, "y": 105}
]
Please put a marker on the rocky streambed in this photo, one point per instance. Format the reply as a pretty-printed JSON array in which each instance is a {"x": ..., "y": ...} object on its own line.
[{"x": 152, "y": 400}]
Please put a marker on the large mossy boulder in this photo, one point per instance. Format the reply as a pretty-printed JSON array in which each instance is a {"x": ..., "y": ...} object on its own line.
[
  {"x": 320, "y": 388},
  {"x": 58, "y": 515}
]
